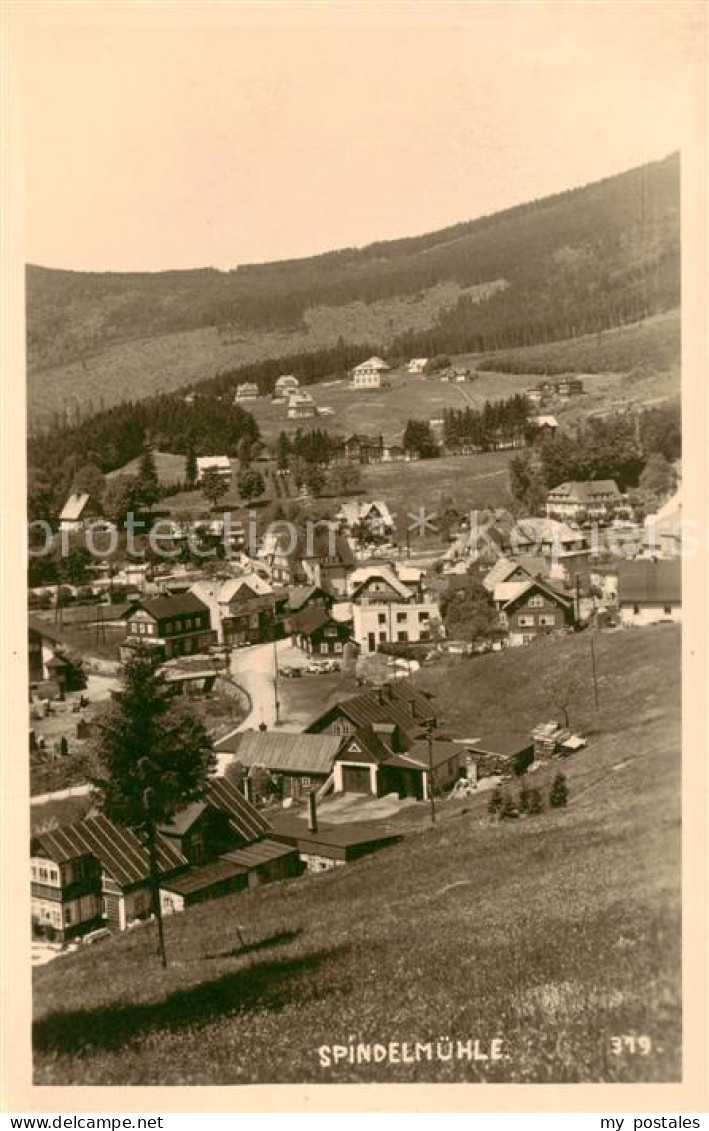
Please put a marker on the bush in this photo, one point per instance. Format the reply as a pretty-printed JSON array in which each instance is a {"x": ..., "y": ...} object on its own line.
[
  {"x": 559, "y": 792},
  {"x": 509, "y": 810},
  {"x": 495, "y": 803},
  {"x": 536, "y": 805},
  {"x": 522, "y": 762}
]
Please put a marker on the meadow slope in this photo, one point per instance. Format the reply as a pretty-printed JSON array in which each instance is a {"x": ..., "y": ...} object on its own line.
[{"x": 552, "y": 933}]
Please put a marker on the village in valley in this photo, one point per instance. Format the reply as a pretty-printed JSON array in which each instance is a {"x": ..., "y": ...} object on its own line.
[{"x": 417, "y": 618}]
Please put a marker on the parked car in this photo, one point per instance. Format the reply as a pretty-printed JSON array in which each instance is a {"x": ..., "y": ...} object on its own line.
[{"x": 290, "y": 672}]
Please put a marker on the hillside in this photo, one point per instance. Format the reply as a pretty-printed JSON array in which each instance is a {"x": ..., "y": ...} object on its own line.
[
  {"x": 551, "y": 933},
  {"x": 580, "y": 261}
]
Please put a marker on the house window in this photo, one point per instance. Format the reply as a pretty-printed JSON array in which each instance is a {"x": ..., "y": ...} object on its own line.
[
  {"x": 168, "y": 627},
  {"x": 338, "y": 646},
  {"x": 382, "y": 637},
  {"x": 188, "y": 623},
  {"x": 178, "y": 626},
  {"x": 536, "y": 602},
  {"x": 305, "y": 782},
  {"x": 402, "y": 636},
  {"x": 197, "y": 847},
  {"x": 423, "y": 618},
  {"x": 104, "y": 910},
  {"x": 382, "y": 618},
  {"x": 525, "y": 622},
  {"x": 527, "y": 637},
  {"x": 667, "y": 609},
  {"x": 401, "y": 618},
  {"x": 547, "y": 620},
  {"x": 636, "y": 610},
  {"x": 67, "y": 917},
  {"x": 323, "y": 648}
]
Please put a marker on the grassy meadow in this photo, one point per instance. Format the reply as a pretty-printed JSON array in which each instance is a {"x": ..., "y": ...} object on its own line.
[{"x": 551, "y": 933}]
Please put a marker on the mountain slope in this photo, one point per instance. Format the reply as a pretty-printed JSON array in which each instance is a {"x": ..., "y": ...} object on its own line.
[{"x": 577, "y": 262}]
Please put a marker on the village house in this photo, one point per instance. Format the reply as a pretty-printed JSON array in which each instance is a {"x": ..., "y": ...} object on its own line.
[
  {"x": 417, "y": 365},
  {"x": 319, "y": 633},
  {"x": 172, "y": 626},
  {"x": 78, "y": 512},
  {"x": 545, "y": 536},
  {"x": 286, "y": 384},
  {"x": 44, "y": 645},
  {"x": 369, "y": 374},
  {"x": 387, "y": 610},
  {"x": 326, "y": 560},
  {"x": 529, "y": 609},
  {"x": 95, "y": 873},
  {"x": 573, "y": 500},
  {"x": 403, "y": 712},
  {"x": 298, "y": 763},
  {"x": 246, "y": 391},
  {"x": 368, "y": 763},
  {"x": 375, "y": 516},
  {"x": 649, "y": 591},
  {"x": 545, "y": 427},
  {"x": 568, "y": 387},
  {"x": 359, "y": 448},
  {"x": 300, "y": 406},
  {"x": 303, "y": 597},
  {"x": 393, "y": 451},
  {"x": 221, "y": 464}
]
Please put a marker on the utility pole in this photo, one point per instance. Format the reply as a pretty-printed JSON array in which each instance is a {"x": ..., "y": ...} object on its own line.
[
  {"x": 595, "y": 677},
  {"x": 429, "y": 727},
  {"x": 276, "y": 704}
]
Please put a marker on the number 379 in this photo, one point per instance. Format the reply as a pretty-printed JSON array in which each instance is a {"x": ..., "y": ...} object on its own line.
[{"x": 632, "y": 1044}]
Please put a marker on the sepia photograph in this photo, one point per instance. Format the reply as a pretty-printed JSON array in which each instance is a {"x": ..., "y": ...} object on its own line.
[{"x": 353, "y": 581}]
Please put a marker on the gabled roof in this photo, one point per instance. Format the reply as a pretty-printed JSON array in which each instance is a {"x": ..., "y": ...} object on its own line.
[
  {"x": 240, "y": 585},
  {"x": 584, "y": 491},
  {"x": 182, "y": 604},
  {"x": 365, "y": 745},
  {"x": 246, "y": 821},
  {"x": 312, "y": 619},
  {"x": 281, "y": 752},
  {"x": 261, "y": 852},
  {"x": 287, "y": 380},
  {"x": 524, "y": 588},
  {"x": 371, "y": 363},
  {"x": 502, "y": 743},
  {"x": 644, "y": 580},
  {"x": 74, "y": 506},
  {"x": 203, "y": 877},
  {"x": 299, "y": 595},
  {"x": 502, "y": 569},
  {"x": 44, "y": 629},
  {"x": 544, "y": 530},
  {"x": 417, "y": 756},
  {"x": 390, "y": 704},
  {"x": 119, "y": 849},
  {"x": 365, "y": 574}
]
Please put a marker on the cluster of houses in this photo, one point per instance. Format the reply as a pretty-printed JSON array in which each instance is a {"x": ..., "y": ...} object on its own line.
[{"x": 564, "y": 388}]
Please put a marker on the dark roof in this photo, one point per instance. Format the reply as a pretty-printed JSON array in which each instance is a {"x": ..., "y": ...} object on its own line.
[
  {"x": 644, "y": 580},
  {"x": 322, "y": 548},
  {"x": 310, "y": 620},
  {"x": 119, "y": 850},
  {"x": 289, "y": 753},
  {"x": 262, "y": 852},
  {"x": 181, "y": 604},
  {"x": 535, "y": 583},
  {"x": 204, "y": 877},
  {"x": 300, "y": 594},
  {"x": 416, "y": 757},
  {"x": 372, "y": 747},
  {"x": 506, "y": 744},
  {"x": 395, "y": 707},
  {"x": 245, "y": 819},
  {"x": 341, "y": 835}
]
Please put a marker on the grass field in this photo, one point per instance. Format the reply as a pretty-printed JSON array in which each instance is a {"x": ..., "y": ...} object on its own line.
[{"x": 552, "y": 934}]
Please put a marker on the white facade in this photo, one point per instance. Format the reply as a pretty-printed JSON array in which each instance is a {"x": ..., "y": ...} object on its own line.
[
  {"x": 638, "y": 615},
  {"x": 392, "y": 622}
]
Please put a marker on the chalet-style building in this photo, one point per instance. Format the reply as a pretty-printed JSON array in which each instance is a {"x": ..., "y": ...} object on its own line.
[
  {"x": 301, "y": 405},
  {"x": 373, "y": 515},
  {"x": 405, "y": 708},
  {"x": 417, "y": 365},
  {"x": 318, "y": 633},
  {"x": 649, "y": 591},
  {"x": 592, "y": 498},
  {"x": 569, "y": 387},
  {"x": 369, "y": 374},
  {"x": 529, "y": 609},
  {"x": 326, "y": 560},
  {"x": 303, "y": 597},
  {"x": 359, "y": 448},
  {"x": 246, "y": 391},
  {"x": 297, "y": 762},
  {"x": 95, "y": 873},
  {"x": 286, "y": 384},
  {"x": 545, "y": 536},
  {"x": 78, "y": 512},
  {"x": 173, "y": 626}
]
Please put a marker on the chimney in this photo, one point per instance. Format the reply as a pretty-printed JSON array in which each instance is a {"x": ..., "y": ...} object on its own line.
[
  {"x": 248, "y": 789},
  {"x": 312, "y": 812}
]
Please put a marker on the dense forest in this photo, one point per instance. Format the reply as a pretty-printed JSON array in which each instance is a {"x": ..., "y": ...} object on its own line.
[
  {"x": 503, "y": 421},
  {"x": 580, "y": 261}
]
